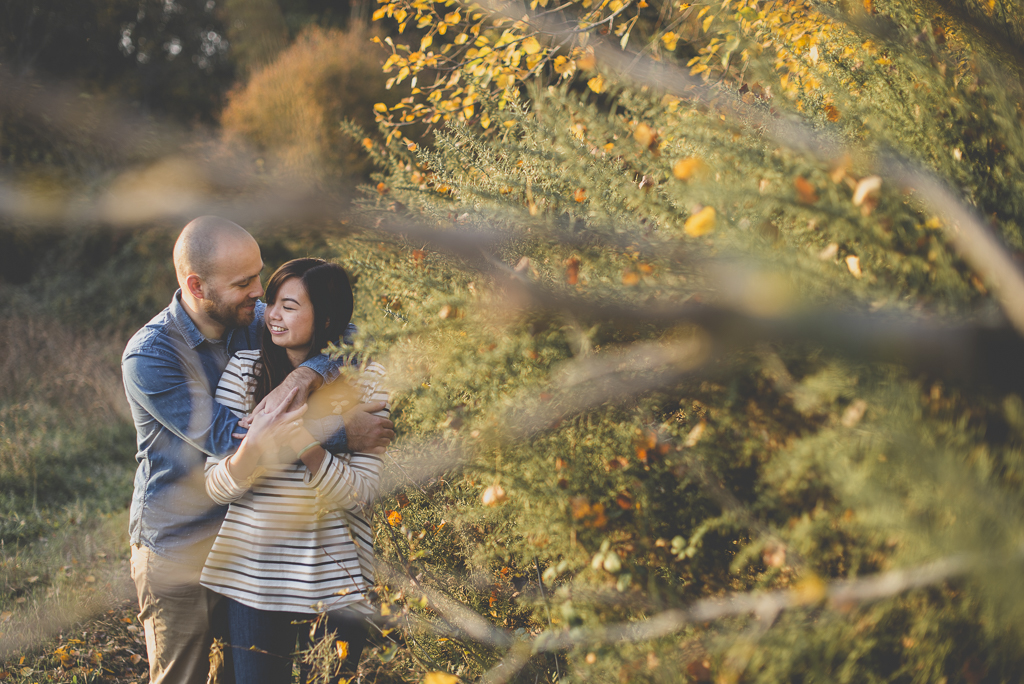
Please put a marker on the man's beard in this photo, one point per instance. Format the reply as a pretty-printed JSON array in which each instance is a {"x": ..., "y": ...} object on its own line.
[{"x": 238, "y": 316}]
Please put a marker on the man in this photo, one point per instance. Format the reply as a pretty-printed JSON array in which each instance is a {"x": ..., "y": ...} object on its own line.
[{"x": 170, "y": 369}]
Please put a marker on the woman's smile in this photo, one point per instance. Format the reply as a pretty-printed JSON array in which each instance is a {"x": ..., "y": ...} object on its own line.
[{"x": 289, "y": 319}]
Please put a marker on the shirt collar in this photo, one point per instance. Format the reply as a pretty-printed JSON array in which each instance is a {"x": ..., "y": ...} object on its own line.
[{"x": 184, "y": 323}]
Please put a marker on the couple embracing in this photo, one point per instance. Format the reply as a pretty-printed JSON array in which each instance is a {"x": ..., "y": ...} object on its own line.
[{"x": 249, "y": 519}]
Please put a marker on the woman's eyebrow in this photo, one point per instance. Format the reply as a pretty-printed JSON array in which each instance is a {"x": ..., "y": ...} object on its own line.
[{"x": 289, "y": 299}]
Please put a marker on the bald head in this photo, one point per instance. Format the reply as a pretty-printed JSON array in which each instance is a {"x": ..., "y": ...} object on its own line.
[
  {"x": 204, "y": 242},
  {"x": 218, "y": 266}
]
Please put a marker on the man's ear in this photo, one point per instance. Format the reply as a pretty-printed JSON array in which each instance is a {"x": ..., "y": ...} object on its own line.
[{"x": 195, "y": 286}]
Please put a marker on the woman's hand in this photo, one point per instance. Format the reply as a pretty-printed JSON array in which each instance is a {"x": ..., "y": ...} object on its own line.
[{"x": 275, "y": 435}]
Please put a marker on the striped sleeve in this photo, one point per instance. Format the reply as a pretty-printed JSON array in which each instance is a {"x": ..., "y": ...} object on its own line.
[
  {"x": 232, "y": 392},
  {"x": 351, "y": 480}
]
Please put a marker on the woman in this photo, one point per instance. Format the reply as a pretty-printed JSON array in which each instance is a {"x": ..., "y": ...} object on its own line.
[{"x": 295, "y": 543}]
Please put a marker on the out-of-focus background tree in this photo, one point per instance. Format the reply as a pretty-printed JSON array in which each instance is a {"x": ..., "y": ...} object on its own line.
[{"x": 703, "y": 319}]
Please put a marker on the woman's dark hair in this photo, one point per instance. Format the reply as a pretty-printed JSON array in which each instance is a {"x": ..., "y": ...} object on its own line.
[{"x": 330, "y": 293}]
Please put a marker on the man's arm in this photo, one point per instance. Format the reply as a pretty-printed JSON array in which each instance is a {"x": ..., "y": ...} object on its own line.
[
  {"x": 361, "y": 430},
  {"x": 355, "y": 430},
  {"x": 180, "y": 403}
]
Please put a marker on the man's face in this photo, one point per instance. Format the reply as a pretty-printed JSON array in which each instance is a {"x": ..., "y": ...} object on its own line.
[{"x": 231, "y": 292}]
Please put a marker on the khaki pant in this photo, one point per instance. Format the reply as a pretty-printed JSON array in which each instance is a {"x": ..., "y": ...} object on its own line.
[{"x": 180, "y": 617}]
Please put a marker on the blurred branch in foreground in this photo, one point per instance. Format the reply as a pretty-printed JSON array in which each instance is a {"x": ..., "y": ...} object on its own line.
[{"x": 460, "y": 621}]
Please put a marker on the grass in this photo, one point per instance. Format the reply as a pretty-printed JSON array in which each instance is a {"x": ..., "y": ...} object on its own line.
[
  {"x": 66, "y": 465},
  {"x": 67, "y": 443}
]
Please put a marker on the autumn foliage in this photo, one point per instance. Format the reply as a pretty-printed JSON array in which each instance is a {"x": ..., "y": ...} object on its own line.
[
  {"x": 641, "y": 178},
  {"x": 292, "y": 108}
]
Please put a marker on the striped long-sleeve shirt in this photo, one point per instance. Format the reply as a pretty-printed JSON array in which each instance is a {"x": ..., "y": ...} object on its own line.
[{"x": 293, "y": 541}]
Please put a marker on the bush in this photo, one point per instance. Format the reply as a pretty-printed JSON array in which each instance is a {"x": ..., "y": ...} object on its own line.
[{"x": 292, "y": 108}]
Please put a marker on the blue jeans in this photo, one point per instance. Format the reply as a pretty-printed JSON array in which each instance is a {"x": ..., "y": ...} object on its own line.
[{"x": 263, "y": 642}]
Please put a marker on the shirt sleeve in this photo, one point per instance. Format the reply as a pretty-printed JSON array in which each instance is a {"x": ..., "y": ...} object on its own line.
[
  {"x": 221, "y": 486},
  {"x": 179, "y": 402},
  {"x": 233, "y": 388},
  {"x": 330, "y": 430},
  {"x": 352, "y": 480},
  {"x": 328, "y": 368}
]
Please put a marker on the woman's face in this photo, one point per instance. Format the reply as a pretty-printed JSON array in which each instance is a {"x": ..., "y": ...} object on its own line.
[{"x": 290, "y": 318}]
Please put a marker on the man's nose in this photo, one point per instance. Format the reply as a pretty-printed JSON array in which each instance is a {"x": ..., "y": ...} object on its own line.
[{"x": 257, "y": 291}]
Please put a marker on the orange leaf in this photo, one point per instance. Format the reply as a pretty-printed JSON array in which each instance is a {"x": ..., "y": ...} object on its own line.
[
  {"x": 805, "y": 192},
  {"x": 394, "y": 518},
  {"x": 644, "y": 135},
  {"x": 587, "y": 61},
  {"x": 572, "y": 270},
  {"x": 580, "y": 195},
  {"x": 630, "y": 278}
]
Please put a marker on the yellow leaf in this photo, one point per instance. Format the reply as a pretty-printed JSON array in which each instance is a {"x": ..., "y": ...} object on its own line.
[
  {"x": 531, "y": 46},
  {"x": 670, "y": 40},
  {"x": 810, "y": 590},
  {"x": 380, "y": 107},
  {"x": 440, "y": 678},
  {"x": 342, "y": 647},
  {"x": 494, "y": 495},
  {"x": 701, "y": 223},
  {"x": 707, "y": 22},
  {"x": 685, "y": 169},
  {"x": 426, "y": 42},
  {"x": 597, "y": 84},
  {"x": 644, "y": 135},
  {"x": 563, "y": 65},
  {"x": 865, "y": 187},
  {"x": 853, "y": 264},
  {"x": 379, "y": 14}
]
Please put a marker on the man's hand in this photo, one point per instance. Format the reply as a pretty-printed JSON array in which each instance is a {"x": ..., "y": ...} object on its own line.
[
  {"x": 367, "y": 433},
  {"x": 302, "y": 379}
]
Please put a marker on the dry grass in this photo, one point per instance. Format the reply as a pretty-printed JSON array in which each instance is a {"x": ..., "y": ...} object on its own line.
[
  {"x": 65, "y": 479},
  {"x": 79, "y": 571},
  {"x": 46, "y": 363}
]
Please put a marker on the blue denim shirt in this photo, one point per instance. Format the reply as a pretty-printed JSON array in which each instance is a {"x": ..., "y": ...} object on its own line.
[{"x": 170, "y": 373}]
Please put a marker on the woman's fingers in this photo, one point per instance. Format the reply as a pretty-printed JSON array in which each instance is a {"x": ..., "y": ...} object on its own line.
[{"x": 282, "y": 408}]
